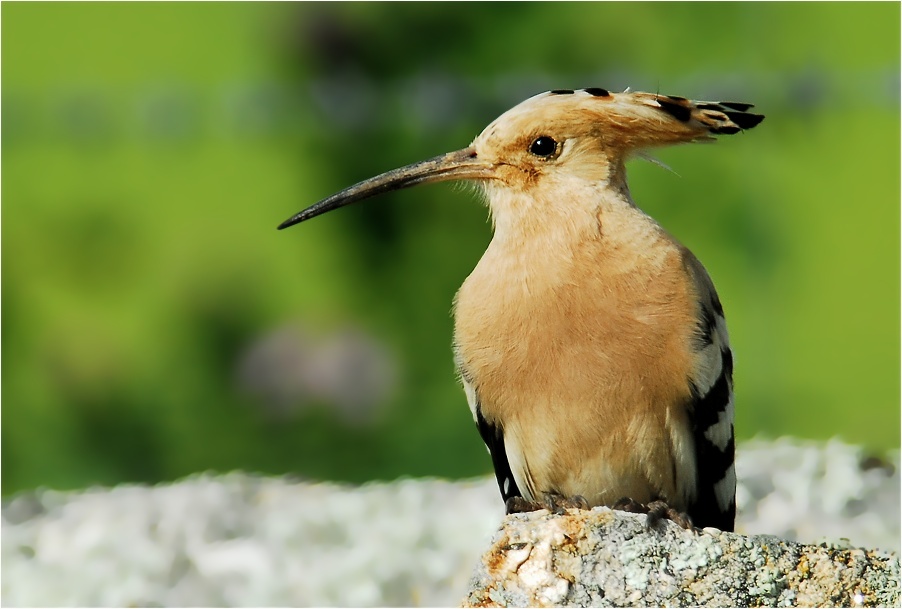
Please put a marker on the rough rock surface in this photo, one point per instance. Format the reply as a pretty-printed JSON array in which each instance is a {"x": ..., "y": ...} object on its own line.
[
  {"x": 602, "y": 558},
  {"x": 242, "y": 540}
]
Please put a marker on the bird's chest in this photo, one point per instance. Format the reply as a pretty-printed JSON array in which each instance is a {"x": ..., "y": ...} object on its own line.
[
  {"x": 569, "y": 327},
  {"x": 515, "y": 323}
]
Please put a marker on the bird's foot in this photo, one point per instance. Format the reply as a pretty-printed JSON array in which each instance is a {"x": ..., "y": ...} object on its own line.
[
  {"x": 655, "y": 512},
  {"x": 553, "y": 502}
]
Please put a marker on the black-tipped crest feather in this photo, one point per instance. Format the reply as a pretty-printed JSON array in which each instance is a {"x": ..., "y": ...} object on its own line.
[{"x": 722, "y": 118}]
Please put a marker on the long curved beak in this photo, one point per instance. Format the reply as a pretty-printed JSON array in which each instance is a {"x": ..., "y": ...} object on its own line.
[{"x": 458, "y": 165}]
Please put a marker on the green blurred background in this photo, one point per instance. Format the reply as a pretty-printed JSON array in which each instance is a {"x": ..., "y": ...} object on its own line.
[{"x": 154, "y": 322}]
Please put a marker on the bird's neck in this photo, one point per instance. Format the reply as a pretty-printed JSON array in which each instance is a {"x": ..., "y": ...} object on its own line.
[{"x": 538, "y": 235}]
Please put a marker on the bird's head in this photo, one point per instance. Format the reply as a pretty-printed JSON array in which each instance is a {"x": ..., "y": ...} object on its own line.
[{"x": 556, "y": 140}]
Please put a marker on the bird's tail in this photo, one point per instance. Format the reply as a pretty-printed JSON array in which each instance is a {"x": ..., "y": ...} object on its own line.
[{"x": 650, "y": 119}]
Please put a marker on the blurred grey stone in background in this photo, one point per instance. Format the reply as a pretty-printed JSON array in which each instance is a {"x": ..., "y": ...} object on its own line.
[
  {"x": 241, "y": 540},
  {"x": 811, "y": 492},
  {"x": 294, "y": 368}
]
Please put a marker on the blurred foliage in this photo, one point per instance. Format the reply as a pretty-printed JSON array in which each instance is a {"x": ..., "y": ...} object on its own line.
[{"x": 150, "y": 149}]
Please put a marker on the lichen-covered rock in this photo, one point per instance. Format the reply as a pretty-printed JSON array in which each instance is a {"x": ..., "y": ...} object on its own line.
[{"x": 603, "y": 558}]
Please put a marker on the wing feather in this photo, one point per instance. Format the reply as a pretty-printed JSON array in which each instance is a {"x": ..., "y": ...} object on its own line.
[
  {"x": 493, "y": 436},
  {"x": 712, "y": 410}
]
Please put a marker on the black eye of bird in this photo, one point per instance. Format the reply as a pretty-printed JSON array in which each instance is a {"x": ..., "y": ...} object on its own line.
[{"x": 543, "y": 146}]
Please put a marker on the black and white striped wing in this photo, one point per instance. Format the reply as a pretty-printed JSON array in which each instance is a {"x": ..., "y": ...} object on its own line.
[
  {"x": 711, "y": 413},
  {"x": 493, "y": 436}
]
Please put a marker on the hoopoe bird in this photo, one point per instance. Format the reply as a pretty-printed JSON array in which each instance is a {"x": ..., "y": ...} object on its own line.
[{"x": 591, "y": 344}]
